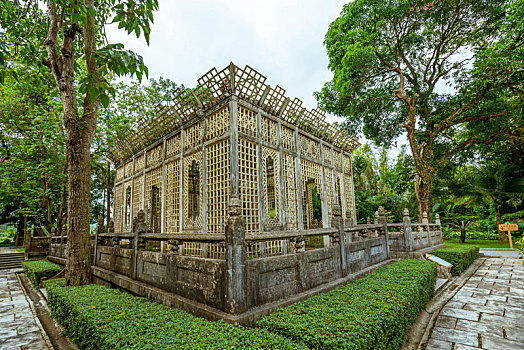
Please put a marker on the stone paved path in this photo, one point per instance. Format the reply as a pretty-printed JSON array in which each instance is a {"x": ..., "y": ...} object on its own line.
[
  {"x": 487, "y": 312},
  {"x": 18, "y": 326}
]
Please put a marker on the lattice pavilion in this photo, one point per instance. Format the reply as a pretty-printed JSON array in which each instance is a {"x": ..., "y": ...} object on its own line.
[{"x": 233, "y": 135}]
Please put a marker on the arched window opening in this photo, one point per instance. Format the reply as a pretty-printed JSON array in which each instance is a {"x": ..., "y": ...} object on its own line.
[
  {"x": 154, "y": 219},
  {"x": 194, "y": 190},
  {"x": 339, "y": 197},
  {"x": 313, "y": 205},
  {"x": 270, "y": 188},
  {"x": 128, "y": 207}
]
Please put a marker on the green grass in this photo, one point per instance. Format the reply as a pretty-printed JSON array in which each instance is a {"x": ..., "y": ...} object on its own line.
[
  {"x": 454, "y": 242},
  {"x": 19, "y": 249}
]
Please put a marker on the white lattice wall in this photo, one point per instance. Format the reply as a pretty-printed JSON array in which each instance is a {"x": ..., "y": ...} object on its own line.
[
  {"x": 117, "y": 220},
  {"x": 269, "y": 153},
  {"x": 217, "y": 123},
  {"x": 248, "y": 184},
  {"x": 217, "y": 187},
  {"x": 192, "y": 223},
  {"x": 172, "y": 205},
  {"x": 247, "y": 121}
]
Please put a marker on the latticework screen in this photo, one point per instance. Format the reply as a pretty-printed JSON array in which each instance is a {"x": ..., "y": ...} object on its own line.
[
  {"x": 193, "y": 136},
  {"x": 139, "y": 163},
  {"x": 129, "y": 169},
  {"x": 347, "y": 165},
  {"x": 172, "y": 208},
  {"x": 271, "y": 167},
  {"x": 327, "y": 156},
  {"x": 217, "y": 185},
  {"x": 192, "y": 195},
  {"x": 309, "y": 147},
  {"x": 247, "y": 121},
  {"x": 340, "y": 193},
  {"x": 338, "y": 160},
  {"x": 119, "y": 174},
  {"x": 269, "y": 131},
  {"x": 154, "y": 156},
  {"x": 217, "y": 123},
  {"x": 118, "y": 208},
  {"x": 290, "y": 188},
  {"x": 288, "y": 139},
  {"x": 153, "y": 178},
  {"x": 349, "y": 192},
  {"x": 213, "y": 250},
  {"x": 173, "y": 146},
  {"x": 330, "y": 190},
  {"x": 248, "y": 184}
]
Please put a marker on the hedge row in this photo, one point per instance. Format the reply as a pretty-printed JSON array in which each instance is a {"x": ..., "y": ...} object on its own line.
[
  {"x": 460, "y": 257},
  {"x": 96, "y": 317},
  {"x": 374, "y": 312},
  {"x": 35, "y": 270}
]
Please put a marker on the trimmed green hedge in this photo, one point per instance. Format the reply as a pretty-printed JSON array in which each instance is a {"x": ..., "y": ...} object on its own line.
[
  {"x": 97, "y": 317},
  {"x": 460, "y": 257},
  {"x": 374, "y": 312},
  {"x": 36, "y": 269}
]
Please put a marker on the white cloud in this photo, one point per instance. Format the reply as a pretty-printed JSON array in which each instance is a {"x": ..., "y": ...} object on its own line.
[{"x": 282, "y": 39}]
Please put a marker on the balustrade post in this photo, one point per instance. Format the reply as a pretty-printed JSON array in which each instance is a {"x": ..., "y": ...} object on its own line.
[
  {"x": 338, "y": 223},
  {"x": 382, "y": 220},
  {"x": 437, "y": 222},
  {"x": 408, "y": 233},
  {"x": 138, "y": 243},
  {"x": 425, "y": 221},
  {"x": 235, "y": 298}
]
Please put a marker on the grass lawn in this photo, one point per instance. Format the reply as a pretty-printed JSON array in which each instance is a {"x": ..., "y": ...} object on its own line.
[
  {"x": 20, "y": 249},
  {"x": 454, "y": 242}
]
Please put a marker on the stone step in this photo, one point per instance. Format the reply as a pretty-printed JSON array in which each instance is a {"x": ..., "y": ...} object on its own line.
[{"x": 11, "y": 260}]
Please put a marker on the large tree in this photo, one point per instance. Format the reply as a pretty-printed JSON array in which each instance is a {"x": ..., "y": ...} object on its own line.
[
  {"x": 448, "y": 74},
  {"x": 80, "y": 60}
]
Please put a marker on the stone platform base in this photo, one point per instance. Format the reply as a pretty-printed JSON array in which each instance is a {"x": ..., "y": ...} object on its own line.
[{"x": 417, "y": 254}]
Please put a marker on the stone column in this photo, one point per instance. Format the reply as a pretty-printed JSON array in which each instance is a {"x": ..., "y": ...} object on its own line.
[
  {"x": 338, "y": 223},
  {"x": 381, "y": 219},
  {"x": 235, "y": 298},
  {"x": 138, "y": 243},
  {"x": 408, "y": 234},
  {"x": 437, "y": 221},
  {"x": 425, "y": 221}
]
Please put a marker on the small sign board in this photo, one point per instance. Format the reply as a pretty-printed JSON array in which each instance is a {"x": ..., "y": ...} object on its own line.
[
  {"x": 508, "y": 226},
  {"x": 439, "y": 261}
]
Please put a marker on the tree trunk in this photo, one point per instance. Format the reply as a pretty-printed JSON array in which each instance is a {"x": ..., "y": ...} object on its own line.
[
  {"x": 502, "y": 234},
  {"x": 423, "y": 192},
  {"x": 462, "y": 234},
  {"x": 19, "y": 231},
  {"x": 108, "y": 189}
]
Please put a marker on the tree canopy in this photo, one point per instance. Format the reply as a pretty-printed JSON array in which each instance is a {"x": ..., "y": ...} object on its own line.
[{"x": 448, "y": 74}]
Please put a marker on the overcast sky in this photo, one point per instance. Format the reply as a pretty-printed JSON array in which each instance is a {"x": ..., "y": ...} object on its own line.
[{"x": 282, "y": 39}]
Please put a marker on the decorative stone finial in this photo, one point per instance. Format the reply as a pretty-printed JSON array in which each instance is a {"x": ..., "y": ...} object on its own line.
[
  {"x": 368, "y": 221},
  {"x": 235, "y": 207},
  {"x": 425, "y": 215},
  {"x": 406, "y": 212},
  {"x": 111, "y": 227},
  {"x": 437, "y": 217},
  {"x": 381, "y": 211},
  {"x": 53, "y": 231},
  {"x": 337, "y": 210},
  {"x": 141, "y": 216}
]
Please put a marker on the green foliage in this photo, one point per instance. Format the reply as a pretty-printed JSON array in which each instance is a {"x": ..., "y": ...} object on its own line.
[
  {"x": 374, "y": 312},
  {"x": 482, "y": 235},
  {"x": 7, "y": 243},
  {"x": 35, "y": 270},
  {"x": 460, "y": 257},
  {"x": 96, "y": 317}
]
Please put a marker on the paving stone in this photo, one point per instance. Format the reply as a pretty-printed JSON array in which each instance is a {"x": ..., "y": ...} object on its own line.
[
  {"x": 515, "y": 333},
  {"x": 464, "y": 347},
  {"x": 446, "y": 322},
  {"x": 455, "y": 336},
  {"x": 435, "y": 344},
  {"x": 490, "y": 342},
  {"x": 494, "y": 310},
  {"x": 479, "y": 327},
  {"x": 460, "y": 313},
  {"x": 456, "y": 304}
]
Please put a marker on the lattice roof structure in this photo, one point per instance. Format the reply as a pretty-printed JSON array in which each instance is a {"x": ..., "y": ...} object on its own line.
[{"x": 213, "y": 87}]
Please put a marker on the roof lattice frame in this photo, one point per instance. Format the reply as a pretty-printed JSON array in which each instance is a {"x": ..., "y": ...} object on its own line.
[{"x": 213, "y": 87}]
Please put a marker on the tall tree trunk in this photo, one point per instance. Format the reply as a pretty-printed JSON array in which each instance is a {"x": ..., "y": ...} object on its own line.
[
  {"x": 462, "y": 234},
  {"x": 423, "y": 192},
  {"x": 19, "y": 231},
  {"x": 108, "y": 189},
  {"x": 502, "y": 234}
]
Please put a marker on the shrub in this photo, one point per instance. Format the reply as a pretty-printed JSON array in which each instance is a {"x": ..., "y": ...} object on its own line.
[
  {"x": 6, "y": 243},
  {"x": 35, "y": 270},
  {"x": 474, "y": 235},
  {"x": 374, "y": 312},
  {"x": 97, "y": 317},
  {"x": 460, "y": 257}
]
